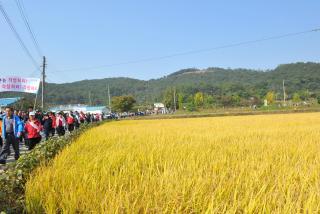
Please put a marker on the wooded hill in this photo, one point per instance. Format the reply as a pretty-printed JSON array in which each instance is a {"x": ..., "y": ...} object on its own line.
[{"x": 217, "y": 82}]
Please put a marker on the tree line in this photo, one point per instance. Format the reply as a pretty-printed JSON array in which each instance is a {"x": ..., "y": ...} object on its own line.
[{"x": 195, "y": 88}]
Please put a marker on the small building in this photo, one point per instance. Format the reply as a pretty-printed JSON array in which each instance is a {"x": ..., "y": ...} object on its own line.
[
  {"x": 66, "y": 108},
  {"x": 81, "y": 108},
  {"x": 159, "y": 108},
  {"x": 97, "y": 110}
]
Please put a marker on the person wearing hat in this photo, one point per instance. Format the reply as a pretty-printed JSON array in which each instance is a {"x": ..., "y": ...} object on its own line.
[
  {"x": 32, "y": 130},
  {"x": 12, "y": 128}
]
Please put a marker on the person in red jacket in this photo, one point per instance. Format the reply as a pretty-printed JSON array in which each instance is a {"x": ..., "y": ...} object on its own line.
[
  {"x": 32, "y": 130},
  {"x": 53, "y": 118},
  {"x": 60, "y": 124},
  {"x": 70, "y": 122}
]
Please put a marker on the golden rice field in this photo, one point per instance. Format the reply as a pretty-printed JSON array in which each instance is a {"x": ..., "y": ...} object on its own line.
[{"x": 245, "y": 164}]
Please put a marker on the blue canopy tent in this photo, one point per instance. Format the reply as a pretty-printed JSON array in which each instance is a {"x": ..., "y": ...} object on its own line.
[{"x": 8, "y": 101}]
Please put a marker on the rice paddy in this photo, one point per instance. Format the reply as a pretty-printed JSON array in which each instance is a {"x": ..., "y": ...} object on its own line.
[{"x": 245, "y": 164}]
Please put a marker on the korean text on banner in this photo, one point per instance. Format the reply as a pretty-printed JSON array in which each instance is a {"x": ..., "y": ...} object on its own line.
[{"x": 19, "y": 84}]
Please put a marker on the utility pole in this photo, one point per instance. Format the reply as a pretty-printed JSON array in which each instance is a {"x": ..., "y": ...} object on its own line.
[
  {"x": 174, "y": 99},
  {"x": 90, "y": 103},
  {"x": 43, "y": 82},
  {"x": 284, "y": 93},
  {"x": 146, "y": 93},
  {"x": 149, "y": 98},
  {"x": 109, "y": 98}
]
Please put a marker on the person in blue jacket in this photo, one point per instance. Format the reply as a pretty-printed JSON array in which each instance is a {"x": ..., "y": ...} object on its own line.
[{"x": 12, "y": 128}]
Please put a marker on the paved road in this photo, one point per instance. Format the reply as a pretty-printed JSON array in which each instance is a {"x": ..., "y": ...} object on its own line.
[{"x": 23, "y": 150}]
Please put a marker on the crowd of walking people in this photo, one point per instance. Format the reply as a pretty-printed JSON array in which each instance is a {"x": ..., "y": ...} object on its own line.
[{"x": 31, "y": 127}]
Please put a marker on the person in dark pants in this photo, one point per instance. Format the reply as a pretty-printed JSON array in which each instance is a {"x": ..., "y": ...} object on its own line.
[
  {"x": 76, "y": 120},
  {"x": 53, "y": 118},
  {"x": 12, "y": 128},
  {"x": 20, "y": 115},
  {"x": 88, "y": 118},
  {"x": 82, "y": 117},
  {"x": 32, "y": 130},
  {"x": 70, "y": 122},
  {"x": 60, "y": 124},
  {"x": 47, "y": 125}
]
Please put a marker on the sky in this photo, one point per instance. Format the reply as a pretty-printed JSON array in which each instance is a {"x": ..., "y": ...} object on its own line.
[{"x": 104, "y": 35}]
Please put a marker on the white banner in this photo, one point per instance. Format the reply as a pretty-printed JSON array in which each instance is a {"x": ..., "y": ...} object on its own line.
[{"x": 19, "y": 84}]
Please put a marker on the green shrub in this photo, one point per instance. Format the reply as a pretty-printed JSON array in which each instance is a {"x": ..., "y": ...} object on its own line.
[{"x": 191, "y": 107}]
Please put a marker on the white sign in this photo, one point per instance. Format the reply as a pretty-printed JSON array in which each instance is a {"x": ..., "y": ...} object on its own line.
[{"x": 19, "y": 84}]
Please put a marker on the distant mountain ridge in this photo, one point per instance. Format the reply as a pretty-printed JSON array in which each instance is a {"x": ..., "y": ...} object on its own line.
[{"x": 215, "y": 81}]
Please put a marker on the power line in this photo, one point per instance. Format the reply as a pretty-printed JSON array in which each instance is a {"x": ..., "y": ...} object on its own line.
[
  {"x": 24, "y": 16},
  {"x": 13, "y": 29},
  {"x": 52, "y": 74},
  {"x": 194, "y": 51},
  {"x": 35, "y": 72}
]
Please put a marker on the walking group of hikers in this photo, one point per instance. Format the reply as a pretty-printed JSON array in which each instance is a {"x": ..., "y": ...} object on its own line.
[{"x": 28, "y": 127}]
